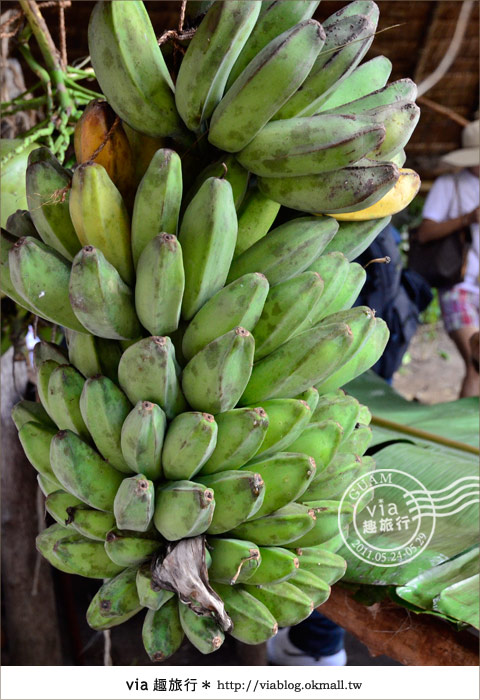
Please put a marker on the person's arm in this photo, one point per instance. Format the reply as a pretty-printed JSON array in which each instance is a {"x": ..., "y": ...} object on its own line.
[{"x": 430, "y": 230}]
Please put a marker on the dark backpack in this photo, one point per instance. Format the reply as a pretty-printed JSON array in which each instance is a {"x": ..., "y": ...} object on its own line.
[{"x": 398, "y": 295}]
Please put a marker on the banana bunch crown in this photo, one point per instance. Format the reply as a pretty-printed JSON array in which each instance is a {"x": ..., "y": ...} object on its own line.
[{"x": 192, "y": 438}]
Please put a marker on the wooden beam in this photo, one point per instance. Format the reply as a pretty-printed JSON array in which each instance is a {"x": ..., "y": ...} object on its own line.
[
  {"x": 30, "y": 618},
  {"x": 411, "y": 639}
]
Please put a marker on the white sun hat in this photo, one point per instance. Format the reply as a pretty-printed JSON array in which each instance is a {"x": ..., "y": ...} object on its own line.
[{"x": 469, "y": 155}]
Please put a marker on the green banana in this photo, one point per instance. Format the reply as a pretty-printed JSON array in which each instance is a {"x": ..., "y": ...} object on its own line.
[
  {"x": 333, "y": 269},
  {"x": 36, "y": 439},
  {"x": 299, "y": 363},
  {"x": 160, "y": 284},
  {"x": 353, "y": 237},
  {"x": 201, "y": 630},
  {"x": 134, "y": 503},
  {"x": 82, "y": 471},
  {"x": 310, "y": 396},
  {"x": 94, "y": 524},
  {"x": 399, "y": 120},
  {"x": 229, "y": 169},
  {"x": 46, "y": 485},
  {"x": 286, "y": 308},
  {"x": 190, "y": 440},
  {"x": 369, "y": 76},
  {"x": 240, "y": 303},
  {"x": 46, "y": 542},
  {"x": 276, "y": 72},
  {"x": 351, "y": 288},
  {"x": 364, "y": 415},
  {"x": 48, "y": 192},
  {"x": 309, "y": 145},
  {"x": 337, "y": 541},
  {"x": 238, "y": 495},
  {"x": 208, "y": 233},
  {"x": 399, "y": 158},
  {"x": 215, "y": 378},
  {"x": 330, "y": 519},
  {"x": 141, "y": 439},
  {"x": 326, "y": 565},
  {"x": 130, "y": 68},
  {"x": 347, "y": 40},
  {"x": 288, "y": 604},
  {"x": 44, "y": 372},
  {"x": 127, "y": 548},
  {"x": 286, "y": 475},
  {"x": 287, "y": 250},
  {"x": 255, "y": 217},
  {"x": 209, "y": 59},
  {"x": 57, "y": 505},
  {"x": 278, "y": 528},
  {"x": 157, "y": 200},
  {"x": 26, "y": 411},
  {"x": 44, "y": 351},
  {"x": 41, "y": 276},
  {"x": 253, "y": 623},
  {"x": 344, "y": 190},
  {"x": 92, "y": 355},
  {"x": 100, "y": 298},
  {"x": 320, "y": 440},
  {"x": 115, "y": 602},
  {"x": 148, "y": 371},
  {"x": 367, "y": 355},
  {"x": 162, "y": 631},
  {"x": 287, "y": 418},
  {"x": 6, "y": 283},
  {"x": 64, "y": 390},
  {"x": 241, "y": 432},
  {"x": 277, "y": 564},
  {"x": 342, "y": 409},
  {"x": 233, "y": 561},
  {"x": 342, "y": 470},
  {"x": 183, "y": 509},
  {"x": 104, "y": 409},
  {"x": 274, "y": 19},
  {"x": 78, "y": 554},
  {"x": 398, "y": 91},
  {"x": 358, "y": 441},
  {"x": 20, "y": 223},
  {"x": 149, "y": 597},
  {"x": 100, "y": 217},
  {"x": 312, "y": 586}
]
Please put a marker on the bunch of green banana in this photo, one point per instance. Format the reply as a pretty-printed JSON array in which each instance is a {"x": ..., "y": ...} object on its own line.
[{"x": 193, "y": 441}]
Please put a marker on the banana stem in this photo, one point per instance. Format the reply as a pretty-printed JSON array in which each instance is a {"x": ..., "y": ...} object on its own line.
[
  {"x": 44, "y": 128},
  {"x": 40, "y": 71},
  {"x": 21, "y": 106},
  {"x": 423, "y": 434},
  {"x": 49, "y": 52}
]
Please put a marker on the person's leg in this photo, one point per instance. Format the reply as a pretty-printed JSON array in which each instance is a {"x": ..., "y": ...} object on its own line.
[
  {"x": 461, "y": 338},
  {"x": 460, "y": 317},
  {"x": 317, "y": 641}
]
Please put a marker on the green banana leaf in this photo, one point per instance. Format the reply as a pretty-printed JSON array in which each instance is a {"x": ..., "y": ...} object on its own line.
[
  {"x": 460, "y": 601},
  {"x": 422, "y": 590},
  {"x": 436, "y": 445},
  {"x": 456, "y": 420},
  {"x": 436, "y": 469}
]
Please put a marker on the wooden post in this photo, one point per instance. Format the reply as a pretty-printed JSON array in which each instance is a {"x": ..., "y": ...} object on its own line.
[
  {"x": 411, "y": 639},
  {"x": 30, "y": 619}
]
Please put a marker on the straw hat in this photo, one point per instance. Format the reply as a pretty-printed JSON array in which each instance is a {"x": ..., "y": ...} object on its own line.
[{"x": 469, "y": 155}]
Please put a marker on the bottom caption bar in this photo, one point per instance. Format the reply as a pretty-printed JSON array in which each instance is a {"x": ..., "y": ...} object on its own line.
[{"x": 249, "y": 682}]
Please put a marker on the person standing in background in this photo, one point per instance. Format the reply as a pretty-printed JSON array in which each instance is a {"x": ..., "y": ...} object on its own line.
[{"x": 451, "y": 204}]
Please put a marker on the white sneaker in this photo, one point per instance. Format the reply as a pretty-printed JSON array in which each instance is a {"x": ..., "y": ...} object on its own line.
[{"x": 281, "y": 652}]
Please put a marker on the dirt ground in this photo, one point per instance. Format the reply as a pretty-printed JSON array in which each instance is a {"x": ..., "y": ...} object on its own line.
[{"x": 432, "y": 369}]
